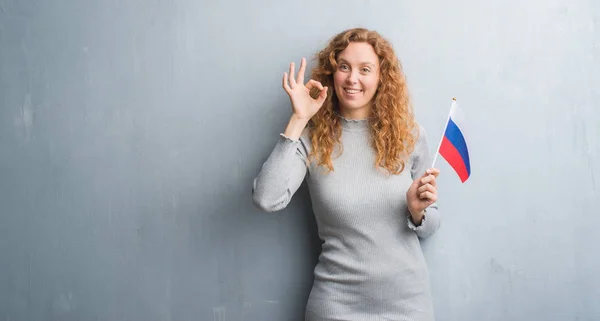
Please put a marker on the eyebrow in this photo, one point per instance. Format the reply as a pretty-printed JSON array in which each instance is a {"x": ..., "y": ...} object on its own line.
[{"x": 362, "y": 63}]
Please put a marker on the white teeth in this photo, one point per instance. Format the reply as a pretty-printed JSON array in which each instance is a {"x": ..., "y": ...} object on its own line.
[{"x": 352, "y": 91}]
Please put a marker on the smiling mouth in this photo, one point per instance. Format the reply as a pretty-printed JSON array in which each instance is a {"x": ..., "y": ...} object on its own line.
[{"x": 352, "y": 91}]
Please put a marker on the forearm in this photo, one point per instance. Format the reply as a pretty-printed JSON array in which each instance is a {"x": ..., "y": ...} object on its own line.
[{"x": 283, "y": 171}]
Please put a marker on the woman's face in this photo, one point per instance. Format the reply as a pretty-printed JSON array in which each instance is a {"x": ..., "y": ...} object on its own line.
[{"x": 356, "y": 79}]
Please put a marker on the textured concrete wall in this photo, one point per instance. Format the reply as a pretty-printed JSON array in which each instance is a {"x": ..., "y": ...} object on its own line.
[{"x": 130, "y": 133}]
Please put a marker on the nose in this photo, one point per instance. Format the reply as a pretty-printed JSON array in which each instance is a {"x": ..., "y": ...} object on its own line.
[{"x": 352, "y": 77}]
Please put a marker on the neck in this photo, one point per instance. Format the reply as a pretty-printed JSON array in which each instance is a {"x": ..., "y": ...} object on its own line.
[{"x": 356, "y": 114}]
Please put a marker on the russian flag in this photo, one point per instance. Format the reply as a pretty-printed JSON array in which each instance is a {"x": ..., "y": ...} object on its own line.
[{"x": 453, "y": 146}]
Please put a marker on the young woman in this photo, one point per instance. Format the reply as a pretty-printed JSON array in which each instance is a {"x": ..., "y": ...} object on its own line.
[{"x": 353, "y": 137}]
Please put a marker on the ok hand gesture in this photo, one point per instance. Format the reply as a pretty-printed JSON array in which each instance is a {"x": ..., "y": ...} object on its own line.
[{"x": 303, "y": 105}]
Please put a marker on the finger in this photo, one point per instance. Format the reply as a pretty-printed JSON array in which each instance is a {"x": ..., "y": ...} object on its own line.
[
  {"x": 300, "y": 78},
  {"x": 428, "y": 196},
  {"x": 313, "y": 83},
  {"x": 284, "y": 83},
  {"x": 427, "y": 188},
  {"x": 424, "y": 188},
  {"x": 292, "y": 79},
  {"x": 322, "y": 95},
  {"x": 432, "y": 171},
  {"x": 429, "y": 180}
]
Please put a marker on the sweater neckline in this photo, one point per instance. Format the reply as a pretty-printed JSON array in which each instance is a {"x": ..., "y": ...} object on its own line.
[{"x": 354, "y": 125}]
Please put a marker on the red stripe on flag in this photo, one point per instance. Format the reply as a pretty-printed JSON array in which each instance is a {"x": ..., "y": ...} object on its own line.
[{"x": 452, "y": 156}]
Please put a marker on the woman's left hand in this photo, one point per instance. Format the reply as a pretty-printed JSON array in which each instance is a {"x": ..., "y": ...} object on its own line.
[{"x": 422, "y": 193}]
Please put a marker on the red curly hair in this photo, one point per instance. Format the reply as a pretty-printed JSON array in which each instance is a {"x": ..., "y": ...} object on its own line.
[{"x": 392, "y": 123}]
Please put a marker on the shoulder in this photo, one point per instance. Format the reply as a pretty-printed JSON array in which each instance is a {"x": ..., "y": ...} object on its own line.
[
  {"x": 420, "y": 156},
  {"x": 421, "y": 139}
]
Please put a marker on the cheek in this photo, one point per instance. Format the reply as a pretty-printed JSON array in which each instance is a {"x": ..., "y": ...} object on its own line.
[
  {"x": 372, "y": 84},
  {"x": 337, "y": 79}
]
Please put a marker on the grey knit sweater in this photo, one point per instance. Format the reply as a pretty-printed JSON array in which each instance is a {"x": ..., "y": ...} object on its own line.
[{"x": 371, "y": 267}]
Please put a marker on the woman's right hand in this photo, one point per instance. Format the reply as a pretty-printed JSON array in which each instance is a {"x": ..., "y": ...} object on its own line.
[{"x": 303, "y": 105}]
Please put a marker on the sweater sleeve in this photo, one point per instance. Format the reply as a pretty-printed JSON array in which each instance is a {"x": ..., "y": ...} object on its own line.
[
  {"x": 281, "y": 175},
  {"x": 421, "y": 161}
]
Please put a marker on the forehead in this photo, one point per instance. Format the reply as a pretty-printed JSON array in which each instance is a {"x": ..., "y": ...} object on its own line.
[{"x": 359, "y": 52}]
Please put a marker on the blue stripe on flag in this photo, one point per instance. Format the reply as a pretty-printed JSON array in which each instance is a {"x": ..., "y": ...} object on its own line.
[{"x": 455, "y": 136}]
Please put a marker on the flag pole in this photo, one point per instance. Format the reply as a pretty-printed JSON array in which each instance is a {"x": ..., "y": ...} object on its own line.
[{"x": 443, "y": 133}]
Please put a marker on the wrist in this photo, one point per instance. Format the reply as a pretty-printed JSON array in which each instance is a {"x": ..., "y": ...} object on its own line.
[
  {"x": 417, "y": 216},
  {"x": 295, "y": 127}
]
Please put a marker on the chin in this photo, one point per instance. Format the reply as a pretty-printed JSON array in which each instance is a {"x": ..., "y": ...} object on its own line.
[{"x": 353, "y": 105}]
